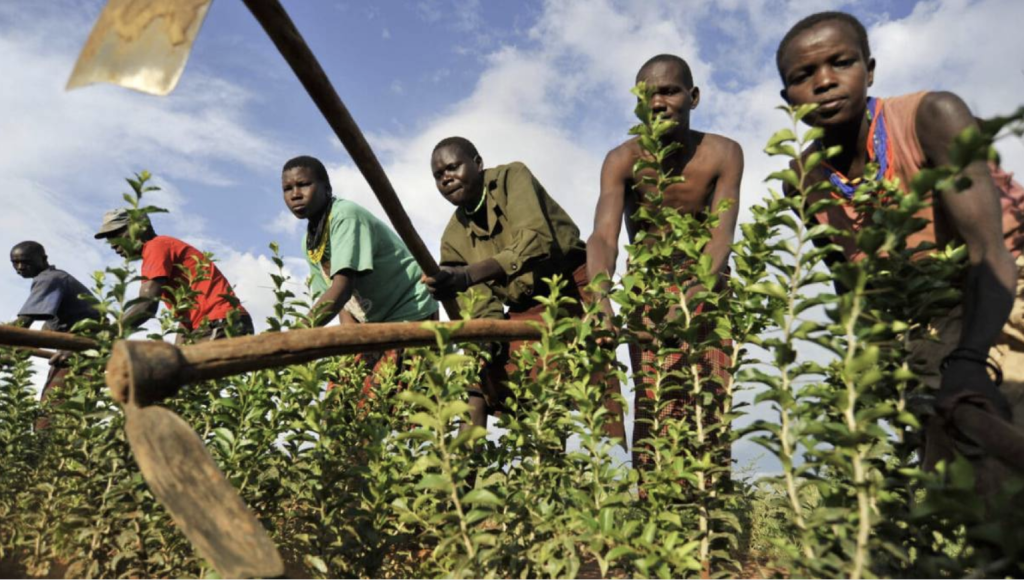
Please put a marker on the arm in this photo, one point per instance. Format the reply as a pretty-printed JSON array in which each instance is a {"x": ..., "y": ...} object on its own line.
[
  {"x": 149, "y": 295},
  {"x": 333, "y": 300},
  {"x": 456, "y": 276},
  {"x": 975, "y": 213},
  {"x": 727, "y": 188},
  {"x": 451, "y": 280},
  {"x": 603, "y": 244},
  {"x": 531, "y": 236}
]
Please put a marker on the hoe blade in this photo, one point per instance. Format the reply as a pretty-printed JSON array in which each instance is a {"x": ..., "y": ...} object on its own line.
[
  {"x": 140, "y": 44},
  {"x": 209, "y": 511}
]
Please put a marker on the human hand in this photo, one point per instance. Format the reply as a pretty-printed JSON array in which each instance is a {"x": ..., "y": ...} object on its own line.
[
  {"x": 60, "y": 358},
  {"x": 609, "y": 337},
  {"x": 963, "y": 376},
  {"x": 447, "y": 282}
]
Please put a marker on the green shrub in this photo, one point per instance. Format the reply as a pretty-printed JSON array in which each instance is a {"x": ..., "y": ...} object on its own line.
[{"x": 389, "y": 486}]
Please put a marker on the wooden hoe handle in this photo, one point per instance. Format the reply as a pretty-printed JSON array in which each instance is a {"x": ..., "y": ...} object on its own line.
[
  {"x": 149, "y": 371},
  {"x": 15, "y": 336},
  {"x": 275, "y": 21}
]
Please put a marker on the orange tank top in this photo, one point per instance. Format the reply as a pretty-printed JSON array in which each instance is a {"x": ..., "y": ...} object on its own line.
[{"x": 908, "y": 159}]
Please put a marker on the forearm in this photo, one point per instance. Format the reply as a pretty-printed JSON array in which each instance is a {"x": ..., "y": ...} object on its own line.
[
  {"x": 718, "y": 248},
  {"x": 329, "y": 305},
  {"x": 484, "y": 271},
  {"x": 988, "y": 300},
  {"x": 140, "y": 313},
  {"x": 601, "y": 257}
]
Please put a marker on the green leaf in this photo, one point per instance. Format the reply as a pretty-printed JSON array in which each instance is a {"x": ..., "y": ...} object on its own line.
[
  {"x": 482, "y": 497},
  {"x": 434, "y": 482}
]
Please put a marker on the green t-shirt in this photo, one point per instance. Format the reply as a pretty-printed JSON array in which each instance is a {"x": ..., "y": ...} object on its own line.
[{"x": 387, "y": 284}]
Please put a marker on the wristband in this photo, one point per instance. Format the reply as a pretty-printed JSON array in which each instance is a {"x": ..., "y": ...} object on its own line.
[{"x": 971, "y": 355}]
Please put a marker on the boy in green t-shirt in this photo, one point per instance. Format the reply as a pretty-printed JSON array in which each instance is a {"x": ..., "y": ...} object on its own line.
[{"x": 357, "y": 262}]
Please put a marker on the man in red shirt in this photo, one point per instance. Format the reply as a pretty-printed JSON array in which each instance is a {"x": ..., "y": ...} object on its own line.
[{"x": 169, "y": 267}]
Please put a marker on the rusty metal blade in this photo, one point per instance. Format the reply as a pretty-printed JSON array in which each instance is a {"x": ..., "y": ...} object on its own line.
[
  {"x": 140, "y": 44},
  {"x": 186, "y": 481}
]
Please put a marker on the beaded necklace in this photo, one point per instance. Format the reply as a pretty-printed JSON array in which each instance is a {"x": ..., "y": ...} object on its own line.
[
  {"x": 317, "y": 237},
  {"x": 878, "y": 151},
  {"x": 480, "y": 204}
]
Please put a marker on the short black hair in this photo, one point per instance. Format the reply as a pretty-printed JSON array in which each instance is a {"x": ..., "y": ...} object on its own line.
[
  {"x": 672, "y": 59},
  {"x": 460, "y": 143},
  {"x": 815, "y": 19},
  {"x": 311, "y": 163},
  {"x": 29, "y": 247}
]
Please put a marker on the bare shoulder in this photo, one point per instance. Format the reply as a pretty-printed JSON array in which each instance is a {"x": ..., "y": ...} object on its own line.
[
  {"x": 727, "y": 152},
  {"x": 940, "y": 117},
  {"x": 619, "y": 161},
  {"x": 939, "y": 105}
]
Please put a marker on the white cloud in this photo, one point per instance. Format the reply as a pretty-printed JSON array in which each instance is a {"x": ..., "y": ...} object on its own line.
[
  {"x": 250, "y": 277},
  {"x": 556, "y": 99},
  {"x": 63, "y": 155},
  {"x": 543, "y": 105},
  {"x": 970, "y": 48},
  {"x": 284, "y": 223}
]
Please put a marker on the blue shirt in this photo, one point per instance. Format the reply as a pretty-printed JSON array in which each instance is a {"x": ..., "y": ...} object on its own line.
[{"x": 55, "y": 298}]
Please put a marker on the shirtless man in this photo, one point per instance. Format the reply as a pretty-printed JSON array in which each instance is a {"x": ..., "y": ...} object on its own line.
[
  {"x": 712, "y": 165},
  {"x": 826, "y": 59}
]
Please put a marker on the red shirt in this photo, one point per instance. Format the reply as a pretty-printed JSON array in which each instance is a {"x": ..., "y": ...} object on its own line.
[{"x": 171, "y": 258}]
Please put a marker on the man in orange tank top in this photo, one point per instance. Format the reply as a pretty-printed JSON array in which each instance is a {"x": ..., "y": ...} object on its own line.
[{"x": 825, "y": 59}]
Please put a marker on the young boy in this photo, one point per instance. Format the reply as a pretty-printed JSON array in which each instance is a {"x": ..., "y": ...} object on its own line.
[
  {"x": 505, "y": 236},
  {"x": 56, "y": 299},
  {"x": 713, "y": 166},
  {"x": 170, "y": 265},
  {"x": 826, "y": 59},
  {"x": 352, "y": 254},
  {"x": 361, "y": 270}
]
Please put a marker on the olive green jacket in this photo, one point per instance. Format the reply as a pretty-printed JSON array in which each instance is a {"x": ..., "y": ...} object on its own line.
[{"x": 527, "y": 232}]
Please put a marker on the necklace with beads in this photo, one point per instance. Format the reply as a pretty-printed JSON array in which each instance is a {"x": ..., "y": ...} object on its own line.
[
  {"x": 316, "y": 245},
  {"x": 480, "y": 204}
]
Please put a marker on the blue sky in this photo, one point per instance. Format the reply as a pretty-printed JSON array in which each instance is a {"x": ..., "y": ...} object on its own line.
[{"x": 543, "y": 82}]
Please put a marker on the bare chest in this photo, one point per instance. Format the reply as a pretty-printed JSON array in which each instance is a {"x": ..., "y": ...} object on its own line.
[{"x": 692, "y": 196}]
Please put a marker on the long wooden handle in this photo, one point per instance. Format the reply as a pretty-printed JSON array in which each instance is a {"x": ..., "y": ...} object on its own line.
[
  {"x": 39, "y": 353},
  {"x": 15, "y": 336},
  {"x": 279, "y": 26},
  {"x": 150, "y": 371}
]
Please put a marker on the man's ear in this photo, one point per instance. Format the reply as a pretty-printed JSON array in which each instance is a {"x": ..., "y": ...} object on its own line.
[
  {"x": 479, "y": 162},
  {"x": 871, "y": 71},
  {"x": 694, "y": 97}
]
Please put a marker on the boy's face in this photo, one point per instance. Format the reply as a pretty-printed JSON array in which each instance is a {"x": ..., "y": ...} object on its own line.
[
  {"x": 670, "y": 96},
  {"x": 304, "y": 195},
  {"x": 26, "y": 263},
  {"x": 825, "y": 65},
  {"x": 458, "y": 176}
]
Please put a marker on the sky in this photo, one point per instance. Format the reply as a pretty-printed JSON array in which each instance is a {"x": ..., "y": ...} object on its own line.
[{"x": 542, "y": 82}]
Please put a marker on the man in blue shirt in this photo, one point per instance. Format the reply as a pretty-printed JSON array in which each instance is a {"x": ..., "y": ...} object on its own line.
[{"x": 57, "y": 299}]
